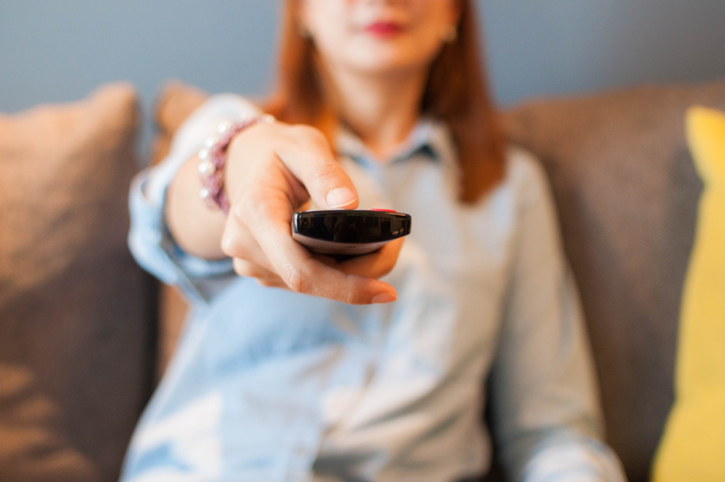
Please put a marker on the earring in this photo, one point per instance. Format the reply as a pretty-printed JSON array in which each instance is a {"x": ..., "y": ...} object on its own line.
[{"x": 451, "y": 34}]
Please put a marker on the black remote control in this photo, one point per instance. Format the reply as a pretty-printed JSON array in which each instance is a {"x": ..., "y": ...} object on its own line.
[{"x": 344, "y": 233}]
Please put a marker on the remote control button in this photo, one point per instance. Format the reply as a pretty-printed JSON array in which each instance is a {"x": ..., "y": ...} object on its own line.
[{"x": 384, "y": 210}]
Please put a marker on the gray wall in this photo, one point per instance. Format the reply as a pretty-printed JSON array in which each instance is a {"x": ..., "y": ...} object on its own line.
[{"x": 56, "y": 50}]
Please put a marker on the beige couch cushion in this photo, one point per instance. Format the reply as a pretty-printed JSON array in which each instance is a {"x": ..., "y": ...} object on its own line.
[
  {"x": 627, "y": 195},
  {"x": 75, "y": 311},
  {"x": 175, "y": 102}
]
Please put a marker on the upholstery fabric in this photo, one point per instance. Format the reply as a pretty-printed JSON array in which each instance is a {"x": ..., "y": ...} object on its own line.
[
  {"x": 76, "y": 327},
  {"x": 627, "y": 192},
  {"x": 695, "y": 436},
  {"x": 175, "y": 102}
]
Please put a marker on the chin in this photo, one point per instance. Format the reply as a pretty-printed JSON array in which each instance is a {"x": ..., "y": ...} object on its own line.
[{"x": 388, "y": 63}]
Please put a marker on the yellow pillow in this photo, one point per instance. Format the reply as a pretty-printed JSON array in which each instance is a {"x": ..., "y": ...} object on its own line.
[{"x": 693, "y": 446}]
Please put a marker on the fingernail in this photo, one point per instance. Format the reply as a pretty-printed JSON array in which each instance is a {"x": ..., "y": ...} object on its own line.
[
  {"x": 384, "y": 298},
  {"x": 339, "y": 197}
]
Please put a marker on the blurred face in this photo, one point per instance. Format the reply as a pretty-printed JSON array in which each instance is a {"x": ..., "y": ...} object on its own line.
[{"x": 378, "y": 36}]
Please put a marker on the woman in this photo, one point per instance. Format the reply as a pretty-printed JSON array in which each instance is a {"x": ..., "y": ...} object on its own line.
[{"x": 294, "y": 366}]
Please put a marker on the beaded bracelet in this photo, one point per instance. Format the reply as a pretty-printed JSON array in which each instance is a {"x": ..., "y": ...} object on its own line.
[{"x": 213, "y": 158}]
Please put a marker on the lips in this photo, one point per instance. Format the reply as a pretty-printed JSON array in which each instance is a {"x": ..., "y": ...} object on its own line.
[{"x": 384, "y": 29}]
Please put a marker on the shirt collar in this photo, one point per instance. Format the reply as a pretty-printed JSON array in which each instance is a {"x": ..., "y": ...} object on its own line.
[{"x": 429, "y": 136}]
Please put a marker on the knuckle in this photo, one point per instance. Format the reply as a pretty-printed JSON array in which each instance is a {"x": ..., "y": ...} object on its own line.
[
  {"x": 242, "y": 207},
  {"x": 268, "y": 282},
  {"x": 307, "y": 133},
  {"x": 260, "y": 217},
  {"x": 235, "y": 248},
  {"x": 252, "y": 207},
  {"x": 244, "y": 269},
  {"x": 294, "y": 278},
  {"x": 348, "y": 296},
  {"x": 236, "y": 210},
  {"x": 229, "y": 246},
  {"x": 310, "y": 139},
  {"x": 326, "y": 173}
]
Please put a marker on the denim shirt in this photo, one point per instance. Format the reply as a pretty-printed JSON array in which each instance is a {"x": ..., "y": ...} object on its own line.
[{"x": 271, "y": 385}]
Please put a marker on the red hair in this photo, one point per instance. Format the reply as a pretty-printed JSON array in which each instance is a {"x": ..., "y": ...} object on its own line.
[{"x": 456, "y": 92}]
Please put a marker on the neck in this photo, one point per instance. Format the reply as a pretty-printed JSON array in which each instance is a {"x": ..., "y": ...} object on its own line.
[{"x": 382, "y": 112}]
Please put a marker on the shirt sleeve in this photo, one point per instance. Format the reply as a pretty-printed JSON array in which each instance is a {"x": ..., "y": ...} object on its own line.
[
  {"x": 545, "y": 401},
  {"x": 149, "y": 238}
]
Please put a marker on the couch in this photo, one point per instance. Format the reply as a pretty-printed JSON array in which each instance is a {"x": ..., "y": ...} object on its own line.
[{"x": 84, "y": 333}]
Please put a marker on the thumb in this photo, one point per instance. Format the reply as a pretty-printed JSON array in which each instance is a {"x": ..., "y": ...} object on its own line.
[{"x": 323, "y": 177}]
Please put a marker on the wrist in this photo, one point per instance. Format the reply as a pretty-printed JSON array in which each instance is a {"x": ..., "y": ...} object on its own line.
[{"x": 213, "y": 159}]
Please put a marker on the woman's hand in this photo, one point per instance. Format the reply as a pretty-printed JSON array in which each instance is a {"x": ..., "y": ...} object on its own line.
[{"x": 272, "y": 171}]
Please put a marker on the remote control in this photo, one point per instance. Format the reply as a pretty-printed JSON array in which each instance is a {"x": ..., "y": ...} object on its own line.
[{"x": 344, "y": 233}]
